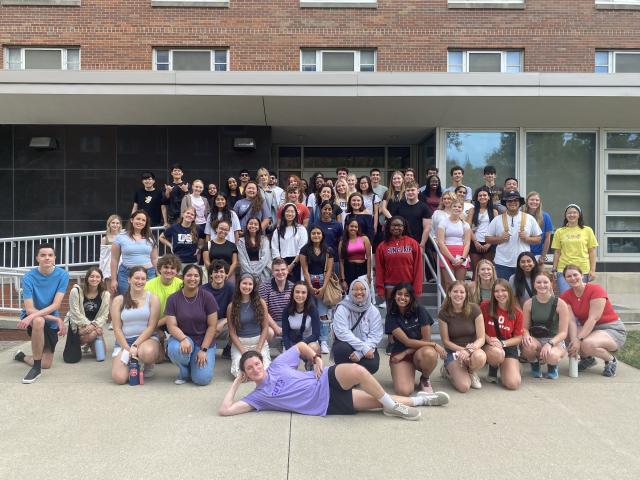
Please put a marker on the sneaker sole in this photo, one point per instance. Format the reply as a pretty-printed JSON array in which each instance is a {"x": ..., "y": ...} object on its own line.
[
  {"x": 436, "y": 399},
  {"x": 179, "y": 381},
  {"x": 25, "y": 381},
  {"x": 492, "y": 379},
  {"x": 393, "y": 414}
]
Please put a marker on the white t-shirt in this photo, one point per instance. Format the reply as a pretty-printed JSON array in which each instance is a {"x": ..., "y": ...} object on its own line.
[
  {"x": 436, "y": 218},
  {"x": 235, "y": 226},
  {"x": 453, "y": 231},
  {"x": 483, "y": 225},
  {"x": 295, "y": 322},
  {"x": 199, "y": 204},
  {"x": 507, "y": 253},
  {"x": 370, "y": 201}
]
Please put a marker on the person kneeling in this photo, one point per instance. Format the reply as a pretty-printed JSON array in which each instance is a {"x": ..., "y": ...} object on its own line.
[
  {"x": 358, "y": 328},
  {"x": 412, "y": 349},
  {"x": 322, "y": 392},
  {"x": 192, "y": 316}
]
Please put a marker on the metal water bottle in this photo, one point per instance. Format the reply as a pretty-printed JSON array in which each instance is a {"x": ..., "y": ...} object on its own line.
[
  {"x": 99, "y": 349},
  {"x": 134, "y": 372},
  {"x": 573, "y": 367}
]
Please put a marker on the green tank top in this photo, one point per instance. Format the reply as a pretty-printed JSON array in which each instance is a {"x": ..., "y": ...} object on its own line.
[
  {"x": 485, "y": 294},
  {"x": 540, "y": 313}
]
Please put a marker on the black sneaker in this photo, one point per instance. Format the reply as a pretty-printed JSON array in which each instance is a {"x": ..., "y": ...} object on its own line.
[
  {"x": 492, "y": 377},
  {"x": 586, "y": 362},
  {"x": 19, "y": 356},
  {"x": 387, "y": 349},
  {"x": 610, "y": 368},
  {"x": 32, "y": 375},
  {"x": 226, "y": 352}
]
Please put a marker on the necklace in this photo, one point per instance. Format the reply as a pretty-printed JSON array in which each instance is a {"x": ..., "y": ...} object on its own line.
[{"x": 195, "y": 297}]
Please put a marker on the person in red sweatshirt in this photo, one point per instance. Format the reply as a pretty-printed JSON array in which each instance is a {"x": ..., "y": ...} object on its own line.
[{"x": 398, "y": 259}]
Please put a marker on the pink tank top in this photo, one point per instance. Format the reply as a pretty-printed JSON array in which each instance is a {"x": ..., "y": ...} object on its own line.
[{"x": 356, "y": 250}]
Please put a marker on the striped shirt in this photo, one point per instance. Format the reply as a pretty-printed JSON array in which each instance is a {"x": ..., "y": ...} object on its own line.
[{"x": 276, "y": 300}]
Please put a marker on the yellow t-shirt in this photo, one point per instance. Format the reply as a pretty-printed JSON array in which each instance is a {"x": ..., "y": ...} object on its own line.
[
  {"x": 163, "y": 291},
  {"x": 574, "y": 244}
]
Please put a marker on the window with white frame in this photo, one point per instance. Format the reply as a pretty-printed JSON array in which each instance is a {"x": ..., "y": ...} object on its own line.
[
  {"x": 505, "y": 61},
  {"x": 216, "y": 60},
  {"x": 486, "y": 3},
  {"x": 330, "y": 60},
  {"x": 617, "y": 61},
  {"x": 190, "y": 3},
  {"x": 622, "y": 193},
  {"x": 339, "y": 3},
  {"x": 41, "y": 58},
  {"x": 622, "y": 4}
]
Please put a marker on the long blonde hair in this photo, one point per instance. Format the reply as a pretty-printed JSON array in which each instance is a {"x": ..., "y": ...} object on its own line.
[
  {"x": 447, "y": 306},
  {"x": 450, "y": 195},
  {"x": 346, "y": 190},
  {"x": 111, "y": 219},
  {"x": 538, "y": 213},
  {"x": 475, "y": 296},
  {"x": 392, "y": 194}
]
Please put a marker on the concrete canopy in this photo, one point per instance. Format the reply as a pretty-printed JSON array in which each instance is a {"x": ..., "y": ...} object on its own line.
[{"x": 305, "y": 107}]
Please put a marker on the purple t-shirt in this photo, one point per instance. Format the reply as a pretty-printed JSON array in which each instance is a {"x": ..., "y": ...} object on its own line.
[
  {"x": 192, "y": 315},
  {"x": 287, "y": 389}
]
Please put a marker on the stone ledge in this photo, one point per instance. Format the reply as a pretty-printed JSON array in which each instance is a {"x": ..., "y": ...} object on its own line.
[
  {"x": 334, "y": 4},
  {"x": 47, "y": 3},
  {"x": 191, "y": 3},
  {"x": 488, "y": 4},
  {"x": 617, "y": 6}
]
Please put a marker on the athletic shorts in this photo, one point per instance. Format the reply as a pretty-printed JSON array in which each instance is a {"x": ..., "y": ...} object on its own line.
[
  {"x": 50, "y": 337},
  {"x": 340, "y": 400},
  {"x": 407, "y": 358},
  {"x": 511, "y": 352}
]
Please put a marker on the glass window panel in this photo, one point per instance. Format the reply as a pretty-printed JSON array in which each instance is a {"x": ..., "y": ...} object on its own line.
[
  {"x": 602, "y": 61},
  {"x": 513, "y": 59},
  {"x": 43, "y": 59},
  {"x": 455, "y": 57},
  {"x": 337, "y": 62},
  {"x": 399, "y": 158},
  {"x": 367, "y": 68},
  {"x": 455, "y": 68},
  {"x": 627, "y": 62},
  {"x": 162, "y": 56},
  {"x": 624, "y": 161},
  {"x": 623, "y": 182},
  {"x": 475, "y": 150},
  {"x": 623, "y": 245},
  {"x": 623, "y": 140},
  {"x": 308, "y": 57},
  {"x": 367, "y": 57},
  {"x": 290, "y": 157},
  {"x": 191, "y": 60},
  {"x": 15, "y": 60},
  {"x": 73, "y": 59},
  {"x": 220, "y": 67},
  {"x": 623, "y": 203},
  {"x": 550, "y": 157},
  {"x": 513, "y": 69},
  {"x": 329, "y": 158},
  {"x": 604, "y": 69},
  {"x": 484, "y": 62},
  {"x": 623, "y": 224},
  {"x": 221, "y": 56}
]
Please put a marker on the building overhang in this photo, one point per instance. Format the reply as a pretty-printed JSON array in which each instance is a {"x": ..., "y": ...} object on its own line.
[{"x": 314, "y": 106}]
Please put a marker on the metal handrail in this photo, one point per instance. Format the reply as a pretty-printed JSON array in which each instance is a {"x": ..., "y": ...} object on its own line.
[
  {"x": 80, "y": 249},
  {"x": 11, "y": 290},
  {"x": 438, "y": 270}
]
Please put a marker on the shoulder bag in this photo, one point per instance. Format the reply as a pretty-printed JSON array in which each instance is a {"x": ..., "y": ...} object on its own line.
[{"x": 333, "y": 291}]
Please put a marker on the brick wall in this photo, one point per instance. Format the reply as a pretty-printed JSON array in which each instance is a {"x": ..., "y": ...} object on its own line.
[{"x": 410, "y": 35}]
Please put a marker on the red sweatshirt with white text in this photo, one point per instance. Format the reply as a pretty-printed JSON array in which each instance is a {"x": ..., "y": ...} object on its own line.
[{"x": 399, "y": 261}]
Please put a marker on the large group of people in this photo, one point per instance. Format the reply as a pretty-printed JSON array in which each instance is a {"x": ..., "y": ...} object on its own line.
[{"x": 263, "y": 265}]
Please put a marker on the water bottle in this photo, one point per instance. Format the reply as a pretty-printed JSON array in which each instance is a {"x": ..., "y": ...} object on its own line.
[
  {"x": 573, "y": 367},
  {"x": 99, "y": 348},
  {"x": 134, "y": 372}
]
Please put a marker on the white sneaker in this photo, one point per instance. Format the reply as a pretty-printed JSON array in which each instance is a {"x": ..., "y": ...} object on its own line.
[
  {"x": 402, "y": 411},
  {"x": 148, "y": 371},
  {"x": 475, "y": 380},
  {"x": 433, "y": 399},
  {"x": 111, "y": 326},
  {"x": 179, "y": 381},
  {"x": 324, "y": 347}
]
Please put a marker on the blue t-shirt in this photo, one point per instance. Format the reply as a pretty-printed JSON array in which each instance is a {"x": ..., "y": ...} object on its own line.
[
  {"x": 287, "y": 389},
  {"x": 42, "y": 289},
  {"x": 332, "y": 233},
  {"x": 182, "y": 243},
  {"x": 222, "y": 295},
  {"x": 547, "y": 226},
  {"x": 134, "y": 252}
]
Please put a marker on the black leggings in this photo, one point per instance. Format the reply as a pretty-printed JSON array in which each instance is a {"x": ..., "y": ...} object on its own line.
[
  {"x": 353, "y": 271},
  {"x": 341, "y": 351}
]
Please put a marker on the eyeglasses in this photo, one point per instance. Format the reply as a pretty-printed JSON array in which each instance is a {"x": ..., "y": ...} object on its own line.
[{"x": 244, "y": 174}]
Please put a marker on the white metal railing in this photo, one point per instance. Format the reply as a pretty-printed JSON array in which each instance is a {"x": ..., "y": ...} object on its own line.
[
  {"x": 437, "y": 272},
  {"x": 11, "y": 290},
  {"x": 73, "y": 250}
]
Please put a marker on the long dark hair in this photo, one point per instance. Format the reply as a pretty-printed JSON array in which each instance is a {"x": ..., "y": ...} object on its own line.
[
  {"x": 236, "y": 191},
  {"x": 247, "y": 236},
  {"x": 308, "y": 303},
  {"x": 369, "y": 190},
  {"x": 85, "y": 285},
  {"x": 146, "y": 230},
  {"x": 215, "y": 211},
  {"x": 127, "y": 300},
  {"x": 520, "y": 278},
  {"x": 412, "y": 308},
  {"x": 387, "y": 230},
  {"x": 427, "y": 190},
  {"x": 323, "y": 245},
  {"x": 282, "y": 229},
  {"x": 345, "y": 237},
  {"x": 476, "y": 206},
  {"x": 254, "y": 300}
]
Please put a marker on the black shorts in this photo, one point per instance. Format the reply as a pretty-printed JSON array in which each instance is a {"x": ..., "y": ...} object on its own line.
[
  {"x": 50, "y": 337},
  {"x": 472, "y": 248},
  {"x": 340, "y": 400},
  {"x": 511, "y": 352}
]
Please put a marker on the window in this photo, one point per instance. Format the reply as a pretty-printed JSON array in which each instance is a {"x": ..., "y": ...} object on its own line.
[
  {"x": 337, "y": 60},
  {"x": 189, "y": 3},
  {"x": 486, "y": 3},
  {"x": 339, "y": 3},
  {"x": 48, "y": 3},
  {"x": 506, "y": 61},
  {"x": 622, "y": 193},
  {"x": 194, "y": 60},
  {"x": 618, "y": 4},
  {"x": 624, "y": 61},
  {"x": 49, "y": 58}
]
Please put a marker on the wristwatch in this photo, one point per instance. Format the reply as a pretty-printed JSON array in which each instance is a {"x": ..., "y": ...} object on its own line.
[
  {"x": 503, "y": 343},
  {"x": 550, "y": 343},
  {"x": 204, "y": 349}
]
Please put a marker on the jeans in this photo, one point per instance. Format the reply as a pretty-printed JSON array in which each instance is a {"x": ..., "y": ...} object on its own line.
[
  {"x": 505, "y": 272},
  {"x": 563, "y": 286},
  {"x": 123, "y": 277},
  {"x": 186, "y": 362}
]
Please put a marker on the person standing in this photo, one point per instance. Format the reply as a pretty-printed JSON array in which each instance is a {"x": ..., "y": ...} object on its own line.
[
  {"x": 533, "y": 207},
  {"x": 151, "y": 200},
  {"x": 457, "y": 175},
  {"x": 415, "y": 212},
  {"x": 174, "y": 192},
  {"x": 43, "y": 289},
  {"x": 513, "y": 232},
  {"x": 199, "y": 203},
  {"x": 495, "y": 191}
]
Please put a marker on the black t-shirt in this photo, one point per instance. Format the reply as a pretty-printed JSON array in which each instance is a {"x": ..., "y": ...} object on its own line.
[
  {"x": 151, "y": 202},
  {"x": 175, "y": 201},
  {"x": 413, "y": 214},
  {"x": 182, "y": 243},
  {"x": 315, "y": 262},
  {"x": 222, "y": 295},
  {"x": 410, "y": 326},
  {"x": 91, "y": 307},
  {"x": 252, "y": 252},
  {"x": 224, "y": 251}
]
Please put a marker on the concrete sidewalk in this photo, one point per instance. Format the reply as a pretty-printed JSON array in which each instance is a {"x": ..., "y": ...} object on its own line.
[{"x": 75, "y": 423}]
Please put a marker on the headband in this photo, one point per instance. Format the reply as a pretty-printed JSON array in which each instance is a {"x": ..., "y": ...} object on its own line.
[{"x": 573, "y": 205}]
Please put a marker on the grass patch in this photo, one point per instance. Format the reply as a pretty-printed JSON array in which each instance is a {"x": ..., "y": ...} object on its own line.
[{"x": 630, "y": 353}]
